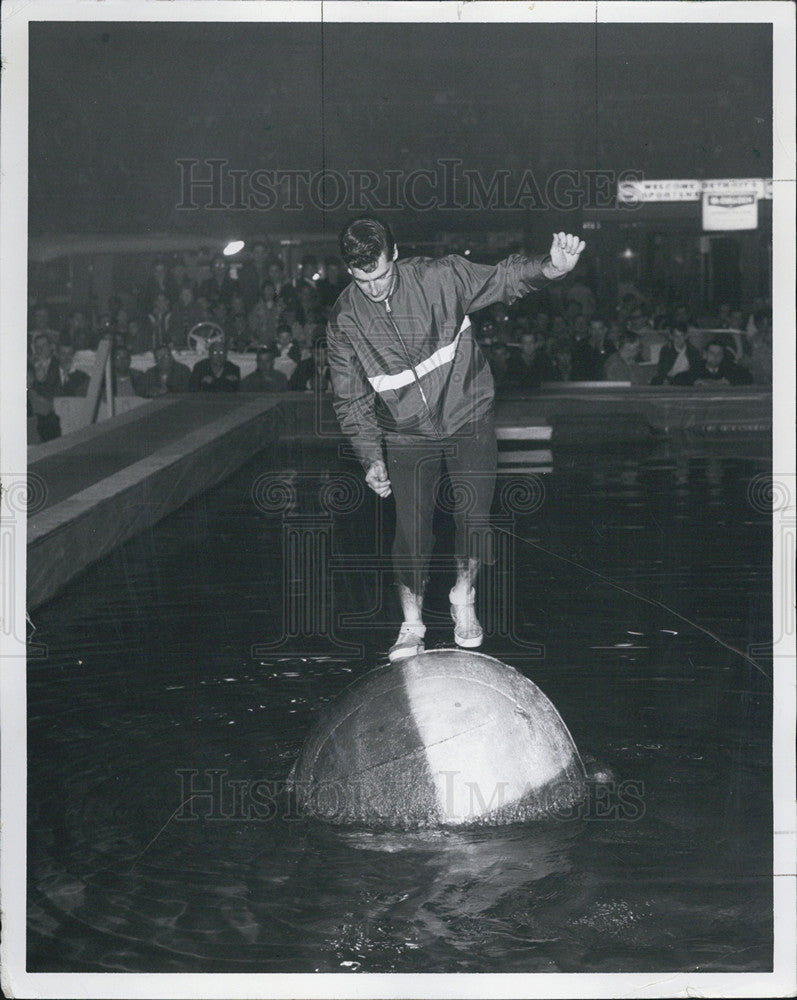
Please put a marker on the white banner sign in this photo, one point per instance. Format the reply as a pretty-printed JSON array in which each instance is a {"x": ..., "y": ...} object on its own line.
[
  {"x": 730, "y": 211},
  {"x": 638, "y": 191}
]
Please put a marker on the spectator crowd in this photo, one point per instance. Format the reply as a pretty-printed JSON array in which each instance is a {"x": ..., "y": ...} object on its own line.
[
  {"x": 238, "y": 307},
  {"x": 558, "y": 335}
]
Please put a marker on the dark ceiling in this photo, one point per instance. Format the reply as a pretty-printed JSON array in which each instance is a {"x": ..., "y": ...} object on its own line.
[{"x": 114, "y": 108}]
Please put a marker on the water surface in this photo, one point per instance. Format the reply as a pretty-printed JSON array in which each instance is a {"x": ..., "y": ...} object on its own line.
[{"x": 179, "y": 660}]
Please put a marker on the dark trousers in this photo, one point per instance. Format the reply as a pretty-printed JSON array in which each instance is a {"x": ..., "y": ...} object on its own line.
[{"x": 415, "y": 466}]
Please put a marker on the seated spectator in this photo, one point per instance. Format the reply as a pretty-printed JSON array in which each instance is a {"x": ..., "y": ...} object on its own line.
[
  {"x": 760, "y": 307},
  {"x": 558, "y": 348},
  {"x": 137, "y": 337},
  {"x": 121, "y": 320},
  {"x": 40, "y": 324},
  {"x": 306, "y": 277},
  {"x": 126, "y": 380},
  {"x": 678, "y": 359},
  {"x": 638, "y": 320},
  {"x": 159, "y": 282},
  {"x": 264, "y": 316},
  {"x": 219, "y": 287},
  {"x": 541, "y": 325},
  {"x": 614, "y": 336},
  {"x": 308, "y": 299},
  {"x": 215, "y": 373},
  {"x": 533, "y": 365},
  {"x": 598, "y": 332},
  {"x": 203, "y": 309},
  {"x": 627, "y": 300},
  {"x": 571, "y": 311},
  {"x": 43, "y": 422},
  {"x": 264, "y": 378},
  {"x": 623, "y": 365},
  {"x": 77, "y": 331},
  {"x": 332, "y": 284},
  {"x": 315, "y": 330},
  {"x": 118, "y": 338},
  {"x": 651, "y": 342},
  {"x": 500, "y": 359},
  {"x": 583, "y": 295},
  {"x": 293, "y": 316},
  {"x": 760, "y": 360},
  {"x": 276, "y": 275},
  {"x": 502, "y": 320},
  {"x": 723, "y": 317},
  {"x": 159, "y": 320},
  {"x": 682, "y": 315},
  {"x": 237, "y": 303},
  {"x": 719, "y": 369},
  {"x": 239, "y": 337},
  {"x": 46, "y": 371},
  {"x": 220, "y": 315},
  {"x": 289, "y": 353},
  {"x": 253, "y": 273},
  {"x": 184, "y": 317},
  {"x": 202, "y": 270},
  {"x": 312, "y": 374},
  {"x": 519, "y": 329},
  {"x": 178, "y": 273},
  {"x": 71, "y": 381},
  {"x": 736, "y": 340},
  {"x": 486, "y": 330},
  {"x": 166, "y": 375},
  {"x": 584, "y": 359}
]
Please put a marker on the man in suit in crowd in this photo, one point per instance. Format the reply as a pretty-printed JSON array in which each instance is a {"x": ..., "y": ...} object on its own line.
[
  {"x": 264, "y": 378},
  {"x": 71, "y": 381},
  {"x": 215, "y": 373},
  {"x": 166, "y": 375}
]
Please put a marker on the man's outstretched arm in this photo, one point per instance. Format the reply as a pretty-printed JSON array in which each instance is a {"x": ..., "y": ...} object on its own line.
[{"x": 481, "y": 285}]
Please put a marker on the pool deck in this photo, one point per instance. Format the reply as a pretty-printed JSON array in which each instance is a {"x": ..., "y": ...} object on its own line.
[{"x": 105, "y": 483}]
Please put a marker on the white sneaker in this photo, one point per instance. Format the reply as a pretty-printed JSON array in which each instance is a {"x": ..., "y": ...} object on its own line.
[
  {"x": 409, "y": 642},
  {"x": 468, "y": 632}
]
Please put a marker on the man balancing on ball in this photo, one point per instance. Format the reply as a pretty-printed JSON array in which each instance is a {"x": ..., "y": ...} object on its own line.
[{"x": 412, "y": 387}]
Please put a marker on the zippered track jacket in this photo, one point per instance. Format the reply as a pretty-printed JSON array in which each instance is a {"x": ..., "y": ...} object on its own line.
[{"x": 410, "y": 364}]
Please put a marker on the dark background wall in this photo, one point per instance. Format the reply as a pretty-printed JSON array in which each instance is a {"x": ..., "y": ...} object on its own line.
[{"x": 113, "y": 107}]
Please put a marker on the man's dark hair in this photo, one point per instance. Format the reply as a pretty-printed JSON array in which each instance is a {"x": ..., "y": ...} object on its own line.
[
  {"x": 714, "y": 343},
  {"x": 629, "y": 337},
  {"x": 285, "y": 327},
  {"x": 364, "y": 240}
]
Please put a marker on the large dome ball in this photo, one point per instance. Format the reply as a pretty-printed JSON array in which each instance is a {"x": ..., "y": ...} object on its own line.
[{"x": 447, "y": 738}]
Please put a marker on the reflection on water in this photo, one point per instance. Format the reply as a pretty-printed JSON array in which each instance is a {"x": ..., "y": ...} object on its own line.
[{"x": 160, "y": 837}]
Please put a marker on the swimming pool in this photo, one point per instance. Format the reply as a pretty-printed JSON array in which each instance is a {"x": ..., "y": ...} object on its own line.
[{"x": 184, "y": 670}]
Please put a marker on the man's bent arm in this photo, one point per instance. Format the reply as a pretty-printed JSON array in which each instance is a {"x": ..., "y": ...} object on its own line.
[
  {"x": 481, "y": 285},
  {"x": 353, "y": 398}
]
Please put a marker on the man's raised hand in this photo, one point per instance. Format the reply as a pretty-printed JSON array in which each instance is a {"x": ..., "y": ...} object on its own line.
[{"x": 565, "y": 251}]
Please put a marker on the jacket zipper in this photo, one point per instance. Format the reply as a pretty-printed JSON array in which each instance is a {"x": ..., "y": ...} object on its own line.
[{"x": 412, "y": 368}]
